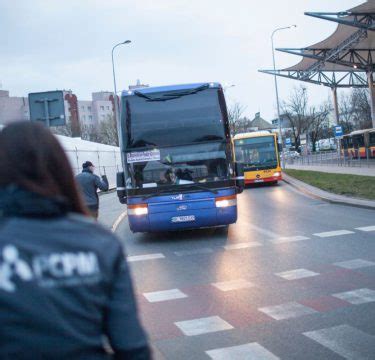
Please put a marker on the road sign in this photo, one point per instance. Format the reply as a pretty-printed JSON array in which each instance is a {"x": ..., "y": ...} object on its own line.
[
  {"x": 288, "y": 141},
  {"x": 47, "y": 107},
  {"x": 338, "y": 131}
]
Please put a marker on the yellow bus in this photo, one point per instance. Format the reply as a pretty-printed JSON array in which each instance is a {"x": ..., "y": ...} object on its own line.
[
  {"x": 359, "y": 144},
  {"x": 259, "y": 155}
]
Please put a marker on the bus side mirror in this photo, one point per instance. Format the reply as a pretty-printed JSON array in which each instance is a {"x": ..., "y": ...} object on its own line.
[
  {"x": 279, "y": 147},
  {"x": 120, "y": 185},
  {"x": 240, "y": 179}
]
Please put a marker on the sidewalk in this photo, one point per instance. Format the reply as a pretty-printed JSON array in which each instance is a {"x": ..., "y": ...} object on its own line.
[
  {"x": 331, "y": 168},
  {"x": 327, "y": 196}
]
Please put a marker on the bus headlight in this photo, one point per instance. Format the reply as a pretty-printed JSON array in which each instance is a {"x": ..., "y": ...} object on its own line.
[
  {"x": 138, "y": 210},
  {"x": 225, "y": 201},
  {"x": 276, "y": 174}
]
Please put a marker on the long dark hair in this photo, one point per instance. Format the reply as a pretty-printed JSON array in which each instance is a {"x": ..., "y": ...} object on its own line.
[{"x": 32, "y": 158}]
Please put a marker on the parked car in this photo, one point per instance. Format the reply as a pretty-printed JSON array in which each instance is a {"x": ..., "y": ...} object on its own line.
[{"x": 291, "y": 155}]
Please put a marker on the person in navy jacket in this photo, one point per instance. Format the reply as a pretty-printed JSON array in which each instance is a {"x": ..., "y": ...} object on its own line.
[{"x": 65, "y": 288}]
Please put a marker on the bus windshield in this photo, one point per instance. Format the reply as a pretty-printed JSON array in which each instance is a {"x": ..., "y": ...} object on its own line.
[
  {"x": 256, "y": 152},
  {"x": 168, "y": 167},
  {"x": 172, "y": 118}
]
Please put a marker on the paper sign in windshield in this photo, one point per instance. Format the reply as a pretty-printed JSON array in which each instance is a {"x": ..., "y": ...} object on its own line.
[{"x": 143, "y": 156}]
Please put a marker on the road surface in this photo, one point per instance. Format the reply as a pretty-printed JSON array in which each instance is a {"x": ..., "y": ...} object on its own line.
[{"x": 293, "y": 279}]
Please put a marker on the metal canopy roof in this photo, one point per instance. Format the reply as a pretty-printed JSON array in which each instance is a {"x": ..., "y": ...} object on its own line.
[{"x": 342, "y": 59}]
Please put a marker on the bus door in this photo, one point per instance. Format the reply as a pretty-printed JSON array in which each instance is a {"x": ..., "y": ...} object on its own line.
[
  {"x": 359, "y": 146},
  {"x": 371, "y": 144}
]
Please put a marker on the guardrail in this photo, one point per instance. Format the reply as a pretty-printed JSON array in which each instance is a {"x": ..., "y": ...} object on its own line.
[{"x": 327, "y": 158}]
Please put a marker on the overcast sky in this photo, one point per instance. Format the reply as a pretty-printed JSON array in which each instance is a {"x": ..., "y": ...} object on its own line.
[{"x": 54, "y": 44}]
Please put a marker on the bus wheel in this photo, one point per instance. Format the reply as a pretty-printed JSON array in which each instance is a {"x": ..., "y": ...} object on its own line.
[{"x": 273, "y": 183}]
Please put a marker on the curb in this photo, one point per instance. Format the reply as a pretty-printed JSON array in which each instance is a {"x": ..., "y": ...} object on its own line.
[{"x": 327, "y": 196}]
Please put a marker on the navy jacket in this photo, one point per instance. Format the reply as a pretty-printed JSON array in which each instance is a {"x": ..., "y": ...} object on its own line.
[
  {"x": 89, "y": 184},
  {"x": 64, "y": 285}
]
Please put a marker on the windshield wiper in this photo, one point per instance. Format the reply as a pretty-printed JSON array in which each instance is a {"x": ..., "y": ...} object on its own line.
[
  {"x": 195, "y": 185},
  {"x": 158, "y": 192},
  {"x": 171, "y": 95}
]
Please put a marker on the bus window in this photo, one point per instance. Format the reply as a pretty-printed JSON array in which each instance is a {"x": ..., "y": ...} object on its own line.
[
  {"x": 372, "y": 139},
  {"x": 358, "y": 141}
]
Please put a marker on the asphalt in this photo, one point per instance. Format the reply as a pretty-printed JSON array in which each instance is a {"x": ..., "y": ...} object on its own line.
[
  {"x": 110, "y": 209},
  {"x": 298, "y": 274}
]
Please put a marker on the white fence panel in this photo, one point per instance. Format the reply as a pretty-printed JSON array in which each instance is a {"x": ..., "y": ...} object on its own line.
[{"x": 106, "y": 158}]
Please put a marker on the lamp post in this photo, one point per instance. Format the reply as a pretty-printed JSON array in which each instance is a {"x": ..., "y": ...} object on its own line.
[
  {"x": 276, "y": 89},
  {"x": 117, "y": 110}
]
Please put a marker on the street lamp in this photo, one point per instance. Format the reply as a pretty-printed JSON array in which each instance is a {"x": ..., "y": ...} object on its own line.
[
  {"x": 276, "y": 90},
  {"x": 117, "y": 110}
]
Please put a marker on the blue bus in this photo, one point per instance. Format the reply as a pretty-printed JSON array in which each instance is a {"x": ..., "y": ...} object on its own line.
[{"x": 177, "y": 155}]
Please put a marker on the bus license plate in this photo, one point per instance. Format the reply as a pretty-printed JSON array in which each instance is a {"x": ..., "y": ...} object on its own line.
[
  {"x": 179, "y": 219},
  {"x": 258, "y": 180}
]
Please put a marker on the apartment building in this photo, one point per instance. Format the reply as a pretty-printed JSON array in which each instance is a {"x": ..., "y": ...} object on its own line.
[
  {"x": 83, "y": 112},
  {"x": 13, "y": 108}
]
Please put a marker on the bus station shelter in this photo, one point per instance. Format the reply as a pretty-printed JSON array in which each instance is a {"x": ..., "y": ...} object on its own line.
[{"x": 344, "y": 59}]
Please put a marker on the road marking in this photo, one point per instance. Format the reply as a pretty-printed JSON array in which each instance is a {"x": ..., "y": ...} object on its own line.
[
  {"x": 242, "y": 245},
  {"x": 354, "y": 264},
  {"x": 366, "y": 228},
  {"x": 164, "y": 295},
  {"x": 241, "y": 352},
  {"x": 346, "y": 341},
  {"x": 357, "y": 297},
  {"x": 119, "y": 220},
  {"x": 193, "y": 252},
  {"x": 203, "y": 325},
  {"x": 296, "y": 274},
  {"x": 233, "y": 285},
  {"x": 333, "y": 233},
  {"x": 287, "y": 239},
  {"x": 287, "y": 311},
  {"x": 144, "y": 257}
]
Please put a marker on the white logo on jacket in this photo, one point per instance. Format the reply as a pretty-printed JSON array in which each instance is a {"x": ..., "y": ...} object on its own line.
[{"x": 50, "y": 270}]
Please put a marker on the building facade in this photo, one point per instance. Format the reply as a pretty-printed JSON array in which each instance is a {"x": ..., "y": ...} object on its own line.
[
  {"x": 78, "y": 112},
  {"x": 13, "y": 108}
]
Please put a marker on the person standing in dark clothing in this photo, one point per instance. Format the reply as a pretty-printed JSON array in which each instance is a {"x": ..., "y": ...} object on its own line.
[
  {"x": 65, "y": 286},
  {"x": 89, "y": 183}
]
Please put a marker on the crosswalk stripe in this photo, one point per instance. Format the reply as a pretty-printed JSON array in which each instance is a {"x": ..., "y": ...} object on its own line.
[
  {"x": 366, "y": 228},
  {"x": 145, "y": 257},
  {"x": 346, "y": 341},
  {"x": 333, "y": 233}
]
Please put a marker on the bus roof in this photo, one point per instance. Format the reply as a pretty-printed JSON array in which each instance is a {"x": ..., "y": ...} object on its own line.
[
  {"x": 253, "y": 134},
  {"x": 157, "y": 89},
  {"x": 359, "y": 132}
]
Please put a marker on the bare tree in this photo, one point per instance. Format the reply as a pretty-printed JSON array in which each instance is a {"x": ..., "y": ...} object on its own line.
[
  {"x": 107, "y": 131},
  {"x": 235, "y": 113},
  {"x": 318, "y": 122},
  {"x": 361, "y": 108},
  {"x": 65, "y": 130},
  {"x": 346, "y": 118},
  {"x": 295, "y": 110},
  {"x": 355, "y": 110},
  {"x": 89, "y": 132}
]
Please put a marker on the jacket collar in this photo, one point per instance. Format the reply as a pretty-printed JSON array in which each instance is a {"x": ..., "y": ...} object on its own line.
[{"x": 15, "y": 201}]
